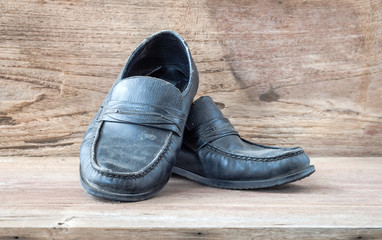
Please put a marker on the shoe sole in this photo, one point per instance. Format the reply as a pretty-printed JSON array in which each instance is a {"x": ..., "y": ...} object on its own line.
[
  {"x": 96, "y": 191},
  {"x": 254, "y": 184}
]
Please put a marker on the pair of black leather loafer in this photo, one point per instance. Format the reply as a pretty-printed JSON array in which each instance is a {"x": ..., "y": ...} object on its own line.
[{"x": 148, "y": 127}]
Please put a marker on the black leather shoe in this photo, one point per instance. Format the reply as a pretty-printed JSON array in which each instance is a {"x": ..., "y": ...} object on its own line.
[
  {"x": 214, "y": 154},
  {"x": 130, "y": 147}
]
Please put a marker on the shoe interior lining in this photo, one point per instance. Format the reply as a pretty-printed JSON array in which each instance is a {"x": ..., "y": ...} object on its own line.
[{"x": 163, "y": 57}]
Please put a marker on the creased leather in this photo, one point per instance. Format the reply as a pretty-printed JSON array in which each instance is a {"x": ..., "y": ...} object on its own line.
[
  {"x": 163, "y": 117},
  {"x": 131, "y": 145},
  {"x": 208, "y": 152},
  {"x": 210, "y": 131}
]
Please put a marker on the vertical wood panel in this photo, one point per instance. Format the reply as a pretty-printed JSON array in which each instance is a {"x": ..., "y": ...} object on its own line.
[{"x": 286, "y": 73}]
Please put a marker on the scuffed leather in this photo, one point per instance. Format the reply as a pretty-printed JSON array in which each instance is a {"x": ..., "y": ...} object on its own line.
[
  {"x": 131, "y": 145},
  {"x": 228, "y": 156}
]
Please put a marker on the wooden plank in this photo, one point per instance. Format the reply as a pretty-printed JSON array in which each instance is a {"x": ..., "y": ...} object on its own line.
[
  {"x": 285, "y": 72},
  {"x": 42, "y": 198}
]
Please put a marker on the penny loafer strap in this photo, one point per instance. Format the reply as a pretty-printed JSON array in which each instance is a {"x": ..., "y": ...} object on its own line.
[
  {"x": 210, "y": 131},
  {"x": 162, "y": 117}
]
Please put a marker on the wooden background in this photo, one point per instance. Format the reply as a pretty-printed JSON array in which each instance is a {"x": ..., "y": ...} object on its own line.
[{"x": 285, "y": 72}]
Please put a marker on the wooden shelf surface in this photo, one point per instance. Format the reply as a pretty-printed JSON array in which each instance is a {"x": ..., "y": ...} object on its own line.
[{"x": 42, "y": 198}]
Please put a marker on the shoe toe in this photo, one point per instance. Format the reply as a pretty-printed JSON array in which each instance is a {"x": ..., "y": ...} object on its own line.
[{"x": 298, "y": 161}]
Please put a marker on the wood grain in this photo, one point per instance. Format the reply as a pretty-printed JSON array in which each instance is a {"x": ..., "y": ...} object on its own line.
[
  {"x": 285, "y": 72},
  {"x": 41, "y": 198}
]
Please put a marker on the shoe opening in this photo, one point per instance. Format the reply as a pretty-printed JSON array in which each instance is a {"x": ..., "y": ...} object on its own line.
[{"x": 163, "y": 56}]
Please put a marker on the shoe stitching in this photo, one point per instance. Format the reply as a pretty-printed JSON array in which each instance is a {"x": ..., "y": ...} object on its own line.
[
  {"x": 244, "y": 158},
  {"x": 133, "y": 176},
  {"x": 259, "y": 145}
]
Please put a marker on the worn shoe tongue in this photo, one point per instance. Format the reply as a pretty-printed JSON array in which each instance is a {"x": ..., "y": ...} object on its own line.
[
  {"x": 202, "y": 110},
  {"x": 147, "y": 90}
]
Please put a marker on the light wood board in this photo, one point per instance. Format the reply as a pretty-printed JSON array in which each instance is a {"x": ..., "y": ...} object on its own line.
[
  {"x": 42, "y": 198},
  {"x": 286, "y": 72}
]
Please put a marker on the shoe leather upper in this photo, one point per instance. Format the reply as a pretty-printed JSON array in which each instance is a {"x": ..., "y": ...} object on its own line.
[
  {"x": 131, "y": 144},
  {"x": 213, "y": 148},
  {"x": 137, "y": 121}
]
